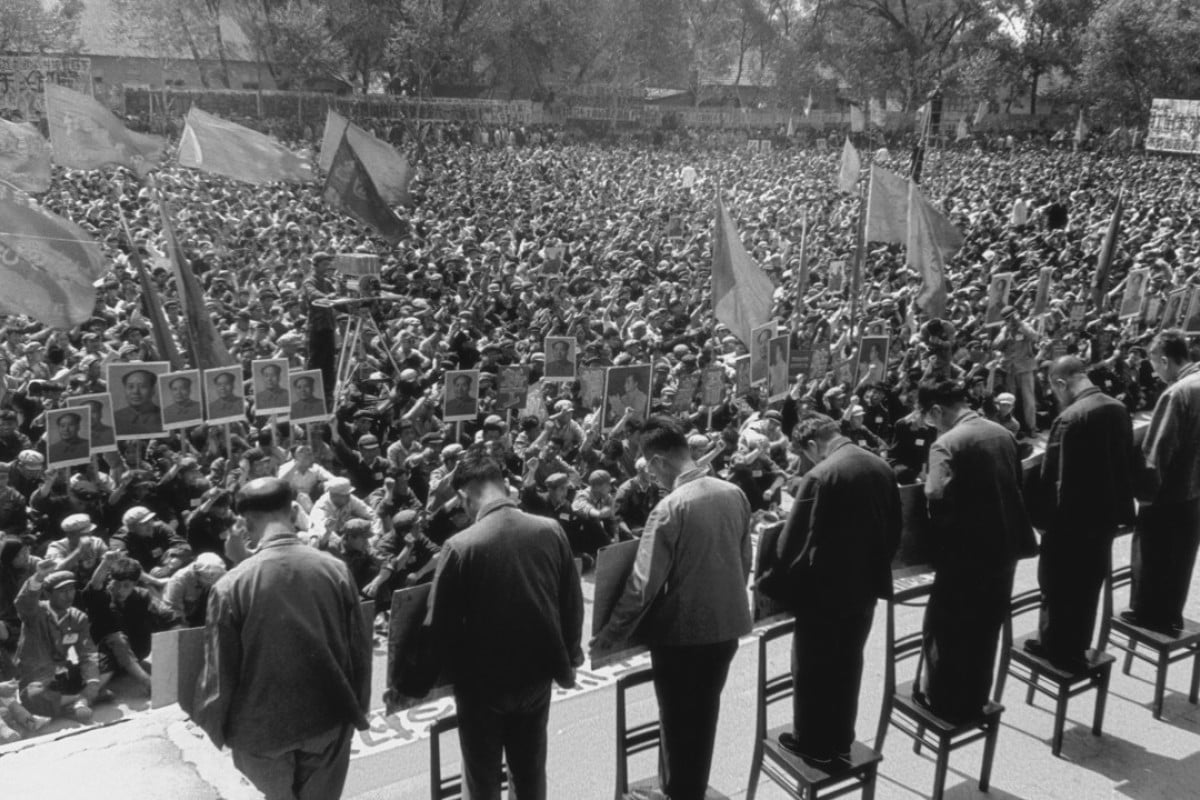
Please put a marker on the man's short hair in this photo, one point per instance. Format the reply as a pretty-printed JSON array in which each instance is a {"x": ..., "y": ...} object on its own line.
[
  {"x": 265, "y": 496},
  {"x": 477, "y": 466},
  {"x": 304, "y": 379},
  {"x": 61, "y": 417},
  {"x": 815, "y": 427},
  {"x": 1173, "y": 345},
  {"x": 945, "y": 393},
  {"x": 125, "y": 378},
  {"x": 221, "y": 377},
  {"x": 125, "y": 569},
  {"x": 663, "y": 435},
  {"x": 272, "y": 367},
  {"x": 179, "y": 378},
  {"x": 462, "y": 379}
]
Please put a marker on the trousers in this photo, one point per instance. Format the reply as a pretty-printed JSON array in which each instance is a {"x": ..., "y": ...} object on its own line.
[
  {"x": 313, "y": 770},
  {"x": 1071, "y": 571},
  {"x": 827, "y": 666},
  {"x": 494, "y": 727},
  {"x": 1164, "y": 554},
  {"x": 1021, "y": 384},
  {"x": 688, "y": 681}
]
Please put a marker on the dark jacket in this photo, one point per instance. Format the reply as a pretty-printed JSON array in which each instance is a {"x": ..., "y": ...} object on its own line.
[
  {"x": 286, "y": 651},
  {"x": 844, "y": 528},
  {"x": 506, "y": 609},
  {"x": 1087, "y": 472},
  {"x": 976, "y": 510}
]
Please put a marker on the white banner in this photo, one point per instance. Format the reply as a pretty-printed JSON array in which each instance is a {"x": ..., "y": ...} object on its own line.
[
  {"x": 1174, "y": 126},
  {"x": 22, "y": 79}
]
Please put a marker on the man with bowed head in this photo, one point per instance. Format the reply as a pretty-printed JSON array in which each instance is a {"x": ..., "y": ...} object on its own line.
[
  {"x": 506, "y": 614},
  {"x": 285, "y": 599},
  {"x": 699, "y": 537}
]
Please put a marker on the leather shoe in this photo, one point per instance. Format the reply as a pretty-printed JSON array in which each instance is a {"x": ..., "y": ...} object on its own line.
[
  {"x": 1073, "y": 664},
  {"x": 1167, "y": 628},
  {"x": 825, "y": 761}
]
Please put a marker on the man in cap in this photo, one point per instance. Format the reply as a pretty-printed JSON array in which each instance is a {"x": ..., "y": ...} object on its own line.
[
  {"x": 141, "y": 414},
  {"x": 635, "y": 499},
  {"x": 305, "y": 403},
  {"x": 145, "y": 538},
  {"x": 187, "y": 590},
  {"x": 79, "y": 550},
  {"x": 1006, "y": 402},
  {"x": 52, "y": 684},
  {"x": 506, "y": 614},
  {"x": 68, "y": 446},
  {"x": 365, "y": 464},
  {"x": 407, "y": 556},
  {"x": 226, "y": 403},
  {"x": 271, "y": 395},
  {"x": 596, "y": 512},
  {"x": 183, "y": 407},
  {"x": 12, "y": 441},
  {"x": 333, "y": 510},
  {"x": 1018, "y": 345},
  {"x": 285, "y": 599}
]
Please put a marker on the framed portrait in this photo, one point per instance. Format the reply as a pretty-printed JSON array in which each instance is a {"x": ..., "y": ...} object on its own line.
[
  {"x": 626, "y": 388},
  {"x": 1041, "y": 303},
  {"x": 591, "y": 387},
  {"x": 224, "y": 395},
  {"x": 512, "y": 386},
  {"x": 870, "y": 362},
  {"x": 685, "y": 392},
  {"x": 1135, "y": 291},
  {"x": 178, "y": 394},
  {"x": 741, "y": 370},
  {"x": 101, "y": 435},
  {"x": 271, "y": 386},
  {"x": 1172, "y": 309},
  {"x": 561, "y": 353},
  {"x": 836, "y": 276},
  {"x": 308, "y": 396},
  {"x": 461, "y": 398},
  {"x": 760, "y": 352},
  {"x": 1191, "y": 317},
  {"x": 68, "y": 437},
  {"x": 998, "y": 291},
  {"x": 777, "y": 368},
  {"x": 133, "y": 388},
  {"x": 712, "y": 386}
]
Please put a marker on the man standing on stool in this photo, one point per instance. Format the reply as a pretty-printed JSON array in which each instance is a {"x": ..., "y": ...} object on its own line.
[
  {"x": 699, "y": 536},
  {"x": 1085, "y": 493},
  {"x": 287, "y": 659},
  {"x": 835, "y": 557},
  {"x": 979, "y": 531},
  {"x": 1164, "y": 544}
]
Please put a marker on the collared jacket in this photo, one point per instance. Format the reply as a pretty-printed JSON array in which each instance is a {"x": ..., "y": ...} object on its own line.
[
  {"x": 1172, "y": 443},
  {"x": 976, "y": 509},
  {"x": 47, "y": 639},
  {"x": 286, "y": 651},
  {"x": 506, "y": 608},
  {"x": 688, "y": 585}
]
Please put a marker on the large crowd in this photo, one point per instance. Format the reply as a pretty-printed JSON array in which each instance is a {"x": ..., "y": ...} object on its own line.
[{"x": 511, "y": 239}]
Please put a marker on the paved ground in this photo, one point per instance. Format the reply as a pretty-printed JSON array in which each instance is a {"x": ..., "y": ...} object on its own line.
[{"x": 160, "y": 755}]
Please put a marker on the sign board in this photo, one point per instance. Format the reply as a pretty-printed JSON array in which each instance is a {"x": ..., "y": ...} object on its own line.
[
  {"x": 1174, "y": 126},
  {"x": 356, "y": 264},
  {"x": 22, "y": 79}
]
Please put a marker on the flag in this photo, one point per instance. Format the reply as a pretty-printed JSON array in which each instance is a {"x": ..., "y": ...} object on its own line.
[
  {"x": 931, "y": 240},
  {"x": 1107, "y": 250},
  {"x": 24, "y": 157},
  {"x": 980, "y": 112},
  {"x": 791, "y": 126},
  {"x": 208, "y": 349},
  {"x": 1081, "y": 130},
  {"x": 887, "y": 207},
  {"x": 164, "y": 343},
  {"x": 808, "y": 104},
  {"x": 876, "y": 110},
  {"x": 48, "y": 264},
  {"x": 350, "y": 190},
  {"x": 851, "y": 168},
  {"x": 857, "y": 123},
  {"x": 742, "y": 292},
  {"x": 963, "y": 131},
  {"x": 86, "y": 135},
  {"x": 389, "y": 169},
  {"x": 802, "y": 270},
  {"x": 215, "y": 145}
]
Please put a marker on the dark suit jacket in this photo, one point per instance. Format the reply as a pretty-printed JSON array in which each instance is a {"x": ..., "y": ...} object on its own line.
[
  {"x": 838, "y": 543},
  {"x": 506, "y": 608},
  {"x": 1087, "y": 473},
  {"x": 976, "y": 510}
]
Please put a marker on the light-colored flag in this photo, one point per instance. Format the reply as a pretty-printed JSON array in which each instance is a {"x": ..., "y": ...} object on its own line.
[
  {"x": 887, "y": 207},
  {"x": 742, "y": 292},
  {"x": 808, "y": 104},
  {"x": 858, "y": 123},
  {"x": 850, "y": 169},
  {"x": 791, "y": 126},
  {"x": 215, "y": 145},
  {"x": 24, "y": 157},
  {"x": 878, "y": 115},
  {"x": 981, "y": 111},
  {"x": 86, "y": 135},
  {"x": 931, "y": 240},
  {"x": 48, "y": 264},
  {"x": 1081, "y": 130},
  {"x": 389, "y": 170},
  {"x": 964, "y": 131}
]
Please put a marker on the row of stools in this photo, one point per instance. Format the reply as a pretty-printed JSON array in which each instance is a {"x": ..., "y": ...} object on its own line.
[{"x": 803, "y": 781}]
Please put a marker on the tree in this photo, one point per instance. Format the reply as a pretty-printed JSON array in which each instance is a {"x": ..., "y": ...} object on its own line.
[
  {"x": 1053, "y": 39},
  {"x": 30, "y": 26},
  {"x": 166, "y": 28},
  {"x": 293, "y": 39}
]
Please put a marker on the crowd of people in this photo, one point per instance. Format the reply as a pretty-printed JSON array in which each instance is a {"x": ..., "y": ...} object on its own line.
[{"x": 511, "y": 240}]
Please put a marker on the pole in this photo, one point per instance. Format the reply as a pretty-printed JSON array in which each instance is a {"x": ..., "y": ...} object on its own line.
[
  {"x": 860, "y": 256},
  {"x": 228, "y": 446}
]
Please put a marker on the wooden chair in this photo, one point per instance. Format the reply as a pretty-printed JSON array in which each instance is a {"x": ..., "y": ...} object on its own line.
[
  {"x": 791, "y": 773},
  {"x": 1158, "y": 649},
  {"x": 639, "y": 738},
  {"x": 448, "y": 787},
  {"x": 1041, "y": 676},
  {"x": 920, "y": 724}
]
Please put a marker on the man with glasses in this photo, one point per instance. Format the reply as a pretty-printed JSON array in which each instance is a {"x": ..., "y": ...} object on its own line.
[{"x": 979, "y": 531}]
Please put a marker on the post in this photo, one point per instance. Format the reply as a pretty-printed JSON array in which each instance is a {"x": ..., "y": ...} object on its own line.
[{"x": 228, "y": 447}]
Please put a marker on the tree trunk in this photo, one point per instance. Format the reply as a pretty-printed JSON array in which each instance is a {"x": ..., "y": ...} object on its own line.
[{"x": 191, "y": 41}]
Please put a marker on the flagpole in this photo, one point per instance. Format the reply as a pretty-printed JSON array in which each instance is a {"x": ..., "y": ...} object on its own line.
[{"x": 864, "y": 193}]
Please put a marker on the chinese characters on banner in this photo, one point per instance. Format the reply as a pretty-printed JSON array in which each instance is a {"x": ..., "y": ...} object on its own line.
[
  {"x": 1174, "y": 126},
  {"x": 22, "y": 79}
]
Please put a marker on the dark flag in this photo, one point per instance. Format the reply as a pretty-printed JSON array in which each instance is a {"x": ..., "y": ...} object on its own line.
[
  {"x": 350, "y": 190},
  {"x": 1104, "y": 262}
]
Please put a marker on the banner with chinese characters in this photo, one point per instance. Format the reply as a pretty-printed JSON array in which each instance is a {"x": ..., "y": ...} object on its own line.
[
  {"x": 1174, "y": 126},
  {"x": 23, "y": 78}
]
